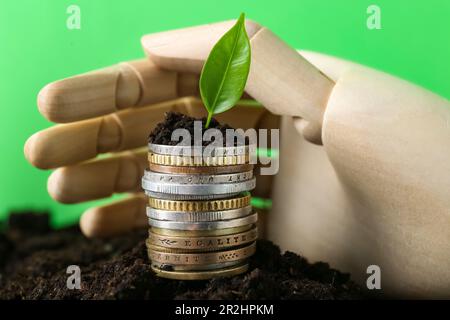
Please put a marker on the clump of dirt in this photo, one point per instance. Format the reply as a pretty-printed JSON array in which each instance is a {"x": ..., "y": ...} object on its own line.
[
  {"x": 162, "y": 133},
  {"x": 35, "y": 263}
]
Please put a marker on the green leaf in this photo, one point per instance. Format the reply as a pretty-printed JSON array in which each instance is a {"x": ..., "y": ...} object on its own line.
[{"x": 225, "y": 72}]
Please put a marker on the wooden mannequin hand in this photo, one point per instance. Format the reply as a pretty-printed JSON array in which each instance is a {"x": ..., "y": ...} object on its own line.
[{"x": 377, "y": 192}]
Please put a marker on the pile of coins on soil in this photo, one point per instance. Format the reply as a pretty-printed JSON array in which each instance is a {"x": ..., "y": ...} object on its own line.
[{"x": 202, "y": 224}]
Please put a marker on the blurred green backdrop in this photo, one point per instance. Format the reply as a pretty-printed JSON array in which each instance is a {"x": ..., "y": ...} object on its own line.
[{"x": 36, "y": 47}]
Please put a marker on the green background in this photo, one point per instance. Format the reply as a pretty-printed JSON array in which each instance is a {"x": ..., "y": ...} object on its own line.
[{"x": 36, "y": 48}]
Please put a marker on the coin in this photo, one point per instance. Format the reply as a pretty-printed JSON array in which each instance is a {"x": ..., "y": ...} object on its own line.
[
  {"x": 159, "y": 248},
  {"x": 199, "y": 233},
  {"x": 179, "y": 150},
  {"x": 189, "y": 197},
  {"x": 201, "y": 275},
  {"x": 201, "y": 258},
  {"x": 208, "y": 205},
  {"x": 168, "y": 160},
  {"x": 201, "y": 170},
  {"x": 193, "y": 267},
  {"x": 201, "y": 242},
  {"x": 199, "y": 189},
  {"x": 206, "y": 225},
  {"x": 202, "y": 225},
  {"x": 181, "y": 216},
  {"x": 155, "y": 177}
]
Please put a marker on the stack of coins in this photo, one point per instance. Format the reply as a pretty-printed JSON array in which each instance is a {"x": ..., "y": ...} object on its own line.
[{"x": 201, "y": 221}]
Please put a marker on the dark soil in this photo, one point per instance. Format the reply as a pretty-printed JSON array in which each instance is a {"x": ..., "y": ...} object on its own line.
[
  {"x": 34, "y": 260},
  {"x": 162, "y": 133}
]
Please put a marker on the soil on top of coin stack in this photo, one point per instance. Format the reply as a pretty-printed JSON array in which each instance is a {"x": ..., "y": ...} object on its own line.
[
  {"x": 162, "y": 133},
  {"x": 34, "y": 260}
]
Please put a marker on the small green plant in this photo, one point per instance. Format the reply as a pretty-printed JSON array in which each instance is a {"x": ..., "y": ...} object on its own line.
[{"x": 225, "y": 72}]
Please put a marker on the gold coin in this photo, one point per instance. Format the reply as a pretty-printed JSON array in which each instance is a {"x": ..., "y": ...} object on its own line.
[
  {"x": 153, "y": 247},
  {"x": 193, "y": 267},
  {"x": 202, "y": 243},
  {"x": 201, "y": 275},
  {"x": 171, "y": 160},
  {"x": 201, "y": 257},
  {"x": 199, "y": 233},
  {"x": 200, "y": 170},
  {"x": 204, "y": 205}
]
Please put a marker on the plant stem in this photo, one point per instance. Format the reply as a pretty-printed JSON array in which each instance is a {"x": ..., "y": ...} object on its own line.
[{"x": 208, "y": 120}]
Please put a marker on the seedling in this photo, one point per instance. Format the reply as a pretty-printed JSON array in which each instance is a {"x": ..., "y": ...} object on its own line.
[{"x": 225, "y": 72}]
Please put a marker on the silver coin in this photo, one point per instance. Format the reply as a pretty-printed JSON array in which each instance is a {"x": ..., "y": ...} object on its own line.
[
  {"x": 207, "y": 225},
  {"x": 193, "y": 267},
  {"x": 198, "y": 189},
  {"x": 168, "y": 196},
  {"x": 157, "y": 177},
  {"x": 201, "y": 150},
  {"x": 200, "y": 216}
]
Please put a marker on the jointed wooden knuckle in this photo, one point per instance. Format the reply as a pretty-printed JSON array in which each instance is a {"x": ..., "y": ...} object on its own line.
[
  {"x": 135, "y": 124},
  {"x": 130, "y": 172},
  {"x": 311, "y": 131},
  {"x": 116, "y": 132},
  {"x": 128, "y": 129},
  {"x": 155, "y": 84},
  {"x": 109, "y": 134},
  {"x": 128, "y": 87}
]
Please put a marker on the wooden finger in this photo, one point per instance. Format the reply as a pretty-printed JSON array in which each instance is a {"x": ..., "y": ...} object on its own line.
[
  {"x": 280, "y": 78},
  {"x": 285, "y": 82},
  {"x": 71, "y": 143},
  {"x": 115, "y": 218},
  {"x": 186, "y": 49},
  {"x": 99, "y": 178},
  {"x": 100, "y": 92}
]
